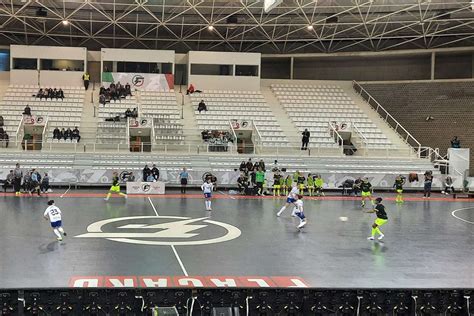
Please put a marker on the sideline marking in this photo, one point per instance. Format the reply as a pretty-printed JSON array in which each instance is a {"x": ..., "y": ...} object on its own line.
[
  {"x": 172, "y": 246},
  {"x": 462, "y": 219},
  {"x": 65, "y": 192},
  {"x": 223, "y": 193}
]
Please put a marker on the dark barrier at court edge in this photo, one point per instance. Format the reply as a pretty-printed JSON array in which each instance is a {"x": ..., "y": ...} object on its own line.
[{"x": 236, "y": 301}]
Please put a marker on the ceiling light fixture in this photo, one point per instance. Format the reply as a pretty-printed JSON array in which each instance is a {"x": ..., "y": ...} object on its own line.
[
  {"x": 210, "y": 28},
  {"x": 310, "y": 27},
  {"x": 65, "y": 22}
]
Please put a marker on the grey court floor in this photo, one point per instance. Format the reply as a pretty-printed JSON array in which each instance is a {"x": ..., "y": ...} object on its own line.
[{"x": 425, "y": 245}]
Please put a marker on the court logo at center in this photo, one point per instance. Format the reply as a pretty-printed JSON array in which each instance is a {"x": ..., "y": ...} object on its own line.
[{"x": 162, "y": 230}]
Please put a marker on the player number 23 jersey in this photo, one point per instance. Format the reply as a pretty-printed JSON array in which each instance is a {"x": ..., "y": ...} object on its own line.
[
  {"x": 207, "y": 187},
  {"x": 54, "y": 213}
]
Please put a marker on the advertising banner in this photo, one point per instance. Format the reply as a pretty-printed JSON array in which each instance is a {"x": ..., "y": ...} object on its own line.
[
  {"x": 146, "y": 187},
  {"x": 140, "y": 81}
]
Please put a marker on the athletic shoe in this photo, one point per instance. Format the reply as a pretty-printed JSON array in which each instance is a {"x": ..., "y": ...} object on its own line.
[
  {"x": 106, "y": 199},
  {"x": 381, "y": 237},
  {"x": 278, "y": 214},
  {"x": 59, "y": 239},
  {"x": 126, "y": 197},
  {"x": 370, "y": 238},
  {"x": 301, "y": 225}
]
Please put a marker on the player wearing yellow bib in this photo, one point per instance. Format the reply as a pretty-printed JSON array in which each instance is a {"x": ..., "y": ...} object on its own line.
[
  {"x": 318, "y": 185},
  {"x": 301, "y": 180},
  {"x": 398, "y": 185},
  {"x": 381, "y": 219},
  {"x": 115, "y": 188},
  {"x": 310, "y": 184},
  {"x": 366, "y": 191},
  {"x": 288, "y": 184},
  {"x": 277, "y": 184}
]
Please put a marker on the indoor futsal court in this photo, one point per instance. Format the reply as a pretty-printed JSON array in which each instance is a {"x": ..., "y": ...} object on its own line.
[{"x": 427, "y": 242}]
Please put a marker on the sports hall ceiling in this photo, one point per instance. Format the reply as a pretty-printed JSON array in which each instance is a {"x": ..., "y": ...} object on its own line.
[{"x": 296, "y": 26}]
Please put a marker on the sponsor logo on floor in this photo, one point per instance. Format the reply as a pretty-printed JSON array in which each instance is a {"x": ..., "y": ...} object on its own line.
[
  {"x": 187, "y": 282},
  {"x": 162, "y": 230}
]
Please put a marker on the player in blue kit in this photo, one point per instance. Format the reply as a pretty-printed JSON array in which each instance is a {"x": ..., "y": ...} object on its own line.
[
  {"x": 291, "y": 198},
  {"x": 299, "y": 211},
  {"x": 53, "y": 213}
]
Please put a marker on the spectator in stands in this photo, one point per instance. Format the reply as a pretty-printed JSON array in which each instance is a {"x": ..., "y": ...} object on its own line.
[
  {"x": 455, "y": 142},
  {"x": 4, "y": 139},
  {"x": 68, "y": 134},
  {"x": 150, "y": 178},
  {"x": 8, "y": 181},
  {"x": 1, "y": 121},
  {"x": 75, "y": 134},
  {"x": 56, "y": 133},
  {"x": 202, "y": 106},
  {"x": 63, "y": 133},
  {"x": 305, "y": 140},
  {"x": 27, "y": 110},
  {"x": 146, "y": 173},
  {"x": 427, "y": 184},
  {"x": 101, "y": 90},
  {"x": 27, "y": 182},
  {"x": 183, "y": 178},
  {"x": 102, "y": 99},
  {"x": 128, "y": 90},
  {"x": 85, "y": 78},
  {"x": 131, "y": 177},
  {"x": 190, "y": 89},
  {"x": 448, "y": 186},
  {"x": 243, "y": 183},
  {"x": 18, "y": 175},
  {"x": 249, "y": 165},
  {"x": 51, "y": 94},
  {"x": 45, "y": 184},
  {"x": 60, "y": 94},
  {"x": 35, "y": 182},
  {"x": 135, "y": 113},
  {"x": 40, "y": 93},
  {"x": 243, "y": 166},
  {"x": 261, "y": 164},
  {"x": 155, "y": 172},
  {"x": 128, "y": 113}
]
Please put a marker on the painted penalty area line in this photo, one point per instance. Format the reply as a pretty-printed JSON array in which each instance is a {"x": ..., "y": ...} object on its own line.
[
  {"x": 462, "y": 219},
  {"x": 172, "y": 246}
]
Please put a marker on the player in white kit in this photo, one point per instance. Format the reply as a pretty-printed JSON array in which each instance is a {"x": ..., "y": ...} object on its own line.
[
  {"x": 53, "y": 213},
  {"x": 291, "y": 198},
  {"x": 299, "y": 211},
  {"x": 207, "y": 188}
]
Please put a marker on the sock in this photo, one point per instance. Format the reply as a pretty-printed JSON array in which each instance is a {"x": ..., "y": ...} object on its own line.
[
  {"x": 374, "y": 230},
  {"x": 278, "y": 192},
  {"x": 377, "y": 230},
  {"x": 209, "y": 203},
  {"x": 56, "y": 232},
  {"x": 61, "y": 230},
  {"x": 282, "y": 209}
]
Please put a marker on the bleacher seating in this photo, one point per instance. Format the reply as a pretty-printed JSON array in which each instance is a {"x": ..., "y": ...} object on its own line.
[
  {"x": 313, "y": 107},
  {"x": 163, "y": 108},
  {"x": 114, "y": 132},
  {"x": 60, "y": 112},
  {"x": 449, "y": 103},
  {"x": 223, "y": 106}
]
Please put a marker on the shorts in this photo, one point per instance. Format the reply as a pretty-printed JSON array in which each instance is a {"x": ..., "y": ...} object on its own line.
[
  {"x": 301, "y": 186},
  {"x": 184, "y": 181},
  {"x": 207, "y": 195},
  {"x": 56, "y": 224},
  {"x": 290, "y": 200},
  {"x": 400, "y": 191},
  {"x": 380, "y": 221},
  {"x": 310, "y": 186},
  {"x": 276, "y": 186},
  {"x": 115, "y": 188},
  {"x": 300, "y": 215},
  {"x": 366, "y": 194}
]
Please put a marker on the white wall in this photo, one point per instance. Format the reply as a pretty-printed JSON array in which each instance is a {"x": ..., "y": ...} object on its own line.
[
  {"x": 137, "y": 55},
  {"x": 47, "y": 52},
  {"x": 53, "y": 79},
  {"x": 203, "y": 82},
  {"x": 24, "y": 77}
]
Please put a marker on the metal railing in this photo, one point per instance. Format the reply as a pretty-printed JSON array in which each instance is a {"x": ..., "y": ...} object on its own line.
[
  {"x": 365, "y": 142},
  {"x": 337, "y": 138},
  {"x": 387, "y": 117}
]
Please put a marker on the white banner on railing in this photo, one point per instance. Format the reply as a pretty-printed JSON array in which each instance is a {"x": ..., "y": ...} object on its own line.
[
  {"x": 146, "y": 187},
  {"x": 140, "y": 81}
]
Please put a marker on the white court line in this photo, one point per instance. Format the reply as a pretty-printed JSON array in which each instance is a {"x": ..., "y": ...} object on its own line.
[
  {"x": 462, "y": 219},
  {"x": 65, "y": 192},
  {"x": 172, "y": 246},
  {"x": 223, "y": 193},
  {"x": 153, "y": 206},
  {"x": 179, "y": 261}
]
